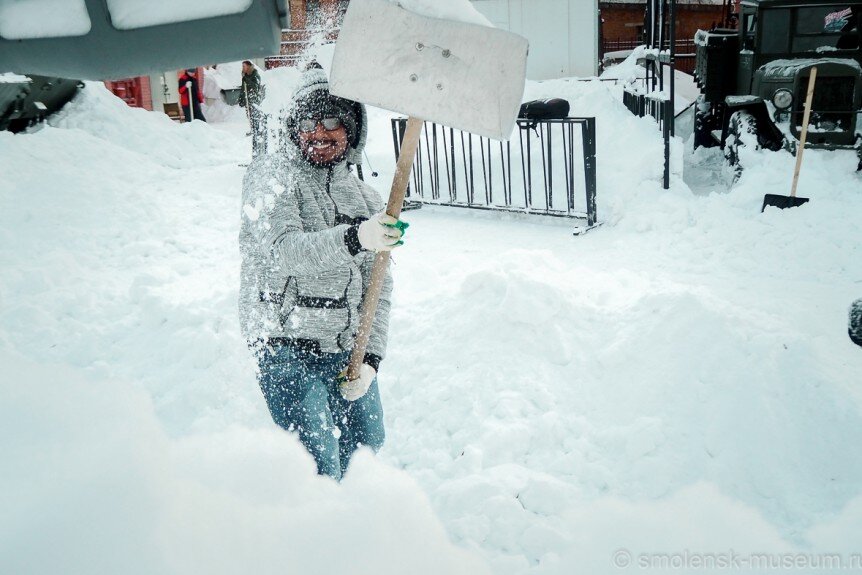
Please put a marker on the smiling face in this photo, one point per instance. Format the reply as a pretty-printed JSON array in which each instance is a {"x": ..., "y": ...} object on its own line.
[{"x": 324, "y": 147}]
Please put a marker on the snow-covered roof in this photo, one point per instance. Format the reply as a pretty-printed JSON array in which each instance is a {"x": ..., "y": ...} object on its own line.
[{"x": 11, "y": 78}]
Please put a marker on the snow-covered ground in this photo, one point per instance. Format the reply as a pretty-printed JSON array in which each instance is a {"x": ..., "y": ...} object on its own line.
[{"x": 676, "y": 381}]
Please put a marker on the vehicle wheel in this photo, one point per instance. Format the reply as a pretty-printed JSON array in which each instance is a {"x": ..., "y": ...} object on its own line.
[
  {"x": 741, "y": 141},
  {"x": 703, "y": 126}
]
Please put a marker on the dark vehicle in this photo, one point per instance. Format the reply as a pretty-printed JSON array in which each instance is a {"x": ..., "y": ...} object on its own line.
[{"x": 753, "y": 80}]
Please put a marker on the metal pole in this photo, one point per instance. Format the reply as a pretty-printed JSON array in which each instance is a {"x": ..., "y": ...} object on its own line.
[
  {"x": 588, "y": 132},
  {"x": 662, "y": 38},
  {"x": 665, "y": 128},
  {"x": 673, "y": 67}
]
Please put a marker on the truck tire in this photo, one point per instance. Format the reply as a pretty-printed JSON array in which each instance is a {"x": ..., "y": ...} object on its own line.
[{"x": 741, "y": 140}]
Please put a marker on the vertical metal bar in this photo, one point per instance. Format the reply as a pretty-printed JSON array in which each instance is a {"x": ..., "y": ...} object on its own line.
[
  {"x": 464, "y": 157},
  {"x": 570, "y": 185},
  {"x": 566, "y": 155},
  {"x": 544, "y": 161},
  {"x": 484, "y": 169},
  {"x": 666, "y": 133},
  {"x": 503, "y": 173},
  {"x": 550, "y": 168},
  {"x": 396, "y": 136},
  {"x": 524, "y": 160},
  {"x": 399, "y": 126},
  {"x": 417, "y": 169},
  {"x": 661, "y": 20},
  {"x": 588, "y": 133},
  {"x": 453, "y": 191},
  {"x": 471, "y": 191},
  {"x": 649, "y": 32},
  {"x": 529, "y": 171},
  {"x": 489, "y": 188},
  {"x": 449, "y": 167},
  {"x": 672, "y": 60},
  {"x": 435, "y": 177},
  {"x": 508, "y": 164}
]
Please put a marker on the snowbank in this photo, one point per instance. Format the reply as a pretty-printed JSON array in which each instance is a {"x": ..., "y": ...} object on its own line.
[
  {"x": 96, "y": 112},
  {"x": 98, "y": 488}
]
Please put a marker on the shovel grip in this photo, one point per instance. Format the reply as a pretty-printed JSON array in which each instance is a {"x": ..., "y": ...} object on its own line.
[{"x": 381, "y": 260}]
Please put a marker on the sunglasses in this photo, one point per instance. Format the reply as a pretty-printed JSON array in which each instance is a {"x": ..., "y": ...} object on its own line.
[{"x": 310, "y": 124}]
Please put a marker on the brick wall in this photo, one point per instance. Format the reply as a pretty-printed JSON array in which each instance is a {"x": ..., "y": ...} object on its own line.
[
  {"x": 294, "y": 39},
  {"x": 146, "y": 93},
  {"x": 135, "y": 92},
  {"x": 622, "y": 21}
]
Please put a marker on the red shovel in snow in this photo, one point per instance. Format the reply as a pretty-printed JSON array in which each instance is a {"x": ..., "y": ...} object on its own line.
[{"x": 461, "y": 75}]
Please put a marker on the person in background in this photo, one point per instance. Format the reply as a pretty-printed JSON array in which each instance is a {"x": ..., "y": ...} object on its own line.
[
  {"x": 308, "y": 236},
  {"x": 191, "y": 95},
  {"x": 250, "y": 96}
]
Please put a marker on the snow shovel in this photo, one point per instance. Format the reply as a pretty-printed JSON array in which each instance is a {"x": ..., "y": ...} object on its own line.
[
  {"x": 247, "y": 108},
  {"x": 191, "y": 104},
  {"x": 460, "y": 75},
  {"x": 792, "y": 201}
]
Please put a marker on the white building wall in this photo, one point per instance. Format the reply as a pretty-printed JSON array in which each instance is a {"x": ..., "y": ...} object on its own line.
[{"x": 563, "y": 34}]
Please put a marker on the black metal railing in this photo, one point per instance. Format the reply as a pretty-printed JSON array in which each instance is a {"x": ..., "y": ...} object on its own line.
[
  {"x": 662, "y": 110},
  {"x": 659, "y": 91},
  {"x": 535, "y": 174}
]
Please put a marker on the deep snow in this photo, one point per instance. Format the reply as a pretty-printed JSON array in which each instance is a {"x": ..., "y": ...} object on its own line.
[{"x": 677, "y": 380}]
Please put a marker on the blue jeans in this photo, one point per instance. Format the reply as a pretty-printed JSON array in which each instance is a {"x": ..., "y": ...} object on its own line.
[{"x": 301, "y": 391}]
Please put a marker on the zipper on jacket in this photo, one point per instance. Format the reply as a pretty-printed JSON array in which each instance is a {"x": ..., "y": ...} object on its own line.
[
  {"x": 349, "y": 314},
  {"x": 329, "y": 195}
]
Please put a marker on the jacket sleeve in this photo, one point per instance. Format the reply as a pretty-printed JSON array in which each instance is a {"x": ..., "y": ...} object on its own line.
[
  {"x": 272, "y": 219},
  {"x": 242, "y": 89},
  {"x": 182, "y": 84}
]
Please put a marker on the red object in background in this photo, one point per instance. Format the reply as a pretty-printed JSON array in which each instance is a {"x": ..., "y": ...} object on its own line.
[
  {"x": 135, "y": 92},
  {"x": 199, "y": 76}
]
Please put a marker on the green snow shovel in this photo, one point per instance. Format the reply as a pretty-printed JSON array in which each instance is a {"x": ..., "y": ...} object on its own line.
[
  {"x": 792, "y": 201},
  {"x": 460, "y": 75}
]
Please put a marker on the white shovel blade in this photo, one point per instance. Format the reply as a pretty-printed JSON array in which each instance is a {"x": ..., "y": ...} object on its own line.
[{"x": 459, "y": 75}]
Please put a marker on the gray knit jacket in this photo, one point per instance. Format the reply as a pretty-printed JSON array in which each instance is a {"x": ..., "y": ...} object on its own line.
[{"x": 299, "y": 279}]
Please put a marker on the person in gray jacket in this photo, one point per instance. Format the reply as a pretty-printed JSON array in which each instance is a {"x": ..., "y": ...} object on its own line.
[{"x": 308, "y": 235}]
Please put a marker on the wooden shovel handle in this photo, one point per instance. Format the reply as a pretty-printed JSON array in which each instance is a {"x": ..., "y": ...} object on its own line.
[
  {"x": 804, "y": 135},
  {"x": 381, "y": 261}
]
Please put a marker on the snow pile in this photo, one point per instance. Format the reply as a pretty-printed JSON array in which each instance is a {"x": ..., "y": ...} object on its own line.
[
  {"x": 98, "y": 487},
  {"x": 457, "y": 10},
  {"x": 676, "y": 381},
  {"x": 12, "y": 78},
  {"x": 631, "y": 72},
  {"x": 43, "y": 19},
  {"x": 629, "y": 69},
  {"x": 131, "y": 14},
  {"x": 97, "y": 113},
  {"x": 226, "y": 76}
]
